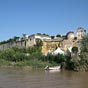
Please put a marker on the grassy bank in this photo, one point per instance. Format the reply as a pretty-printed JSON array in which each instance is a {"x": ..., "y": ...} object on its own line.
[
  {"x": 4, "y": 62},
  {"x": 26, "y": 63},
  {"x": 26, "y": 57}
]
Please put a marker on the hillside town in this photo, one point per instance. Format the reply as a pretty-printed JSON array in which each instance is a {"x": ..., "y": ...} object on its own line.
[{"x": 50, "y": 45}]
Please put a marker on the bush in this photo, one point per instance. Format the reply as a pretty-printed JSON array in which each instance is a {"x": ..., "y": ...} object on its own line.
[
  {"x": 12, "y": 55},
  {"x": 4, "y": 63}
]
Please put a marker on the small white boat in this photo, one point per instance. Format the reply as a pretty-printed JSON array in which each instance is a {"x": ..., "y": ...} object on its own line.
[{"x": 52, "y": 68}]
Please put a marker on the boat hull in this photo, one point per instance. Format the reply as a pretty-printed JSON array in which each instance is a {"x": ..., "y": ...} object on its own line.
[{"x": 52, "y": 68}]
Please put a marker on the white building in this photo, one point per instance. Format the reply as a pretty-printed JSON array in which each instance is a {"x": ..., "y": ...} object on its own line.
[{"x": 40, "y": 36}]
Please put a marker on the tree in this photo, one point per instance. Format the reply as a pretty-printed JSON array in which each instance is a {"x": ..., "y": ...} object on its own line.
[
  {"x": 45, "y": 34},
  {"x": 75, "y": 49},
  {"x": 58, "y": 35},
  {"x": 84, "y": 44},
  {"x": 39, "y": 42},
  {"x": 38, "y": 33},
  {"x": 15, "y": 38},
  {"x": 64, "y": 36},
  {"x": 52, "y": 37},
  {"x": 75, "y": 38}
]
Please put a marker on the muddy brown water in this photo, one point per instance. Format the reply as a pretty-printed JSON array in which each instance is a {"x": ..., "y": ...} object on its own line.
[{"x": 26, "y": 78}]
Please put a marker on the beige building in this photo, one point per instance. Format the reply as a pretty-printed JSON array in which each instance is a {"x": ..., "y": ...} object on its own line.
[
  {"x": 51, "y": 45},
  {"x": 70, "y": 35},
  {"x": 69, "y": 42},
  {"x": 38, "y": 36},
  {"x": 80, "y": 33},
  {"x": 48, "y": 43},
  {"x": 64, "y": 44},
  {"x": 25, "y": 41}
]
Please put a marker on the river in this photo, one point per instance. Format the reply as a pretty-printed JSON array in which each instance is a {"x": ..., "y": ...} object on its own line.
[{"x": 26, "y": 78}]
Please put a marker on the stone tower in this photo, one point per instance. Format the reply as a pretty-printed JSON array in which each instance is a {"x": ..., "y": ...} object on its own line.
[
  {"x": 70, "y": 35},
  {"x": 80, "y": 33}
]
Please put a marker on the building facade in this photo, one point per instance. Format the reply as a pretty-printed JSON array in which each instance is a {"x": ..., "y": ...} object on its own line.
[
  {"x": 80, "y": 33},
  {"x": 48, "y": 43},
  {"x": 51, "y": 45}
]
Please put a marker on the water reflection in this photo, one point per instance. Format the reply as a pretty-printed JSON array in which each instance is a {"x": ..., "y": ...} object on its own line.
[
  {"x": 52, "y": 71},
  {"x": 26, "y": 78}
]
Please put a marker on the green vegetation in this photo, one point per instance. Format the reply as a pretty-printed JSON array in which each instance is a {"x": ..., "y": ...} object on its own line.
[
  {"x": 28, "y": 57},
  {"x": 58, "y": 35},
  {"x": 75, "y": 50},
  {"x": 9, "y": 40},
  {"x": 76, "y": 61},
  {"x": 4, "y": 62},
  {"x": 31, "y": 56}
]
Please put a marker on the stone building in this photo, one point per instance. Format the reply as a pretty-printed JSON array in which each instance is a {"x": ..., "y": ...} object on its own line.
[
  {"x": 69, "y": 42},
  {"x": 18, "y": 43},
  {"x": 51, "y": 45},
  {"x": 24, "y": 42},
  {"x": 70, "y": 35},
  {"x": 38, "y": 36},
  {"x": 80, "y": 33}
]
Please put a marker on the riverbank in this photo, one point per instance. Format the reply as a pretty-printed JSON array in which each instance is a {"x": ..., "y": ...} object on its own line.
[
  {"x": 32, "y": 64},
  {"x": 33, "y": 58}
]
